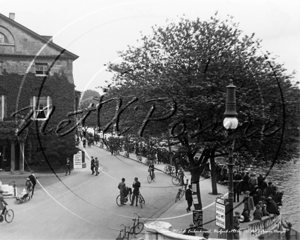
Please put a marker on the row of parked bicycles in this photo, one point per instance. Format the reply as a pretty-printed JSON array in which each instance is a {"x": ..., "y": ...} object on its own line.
[{"x": 131, "y": 231}]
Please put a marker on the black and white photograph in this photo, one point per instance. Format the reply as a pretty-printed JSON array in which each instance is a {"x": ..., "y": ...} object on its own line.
[{"x": 149, "y": 120}]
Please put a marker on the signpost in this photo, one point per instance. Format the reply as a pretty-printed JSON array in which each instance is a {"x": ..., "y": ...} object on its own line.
[
  {"x": 222, "y": 219},
  {"x": 78, "y": 160},
  {"x": 221, "y": 213}
]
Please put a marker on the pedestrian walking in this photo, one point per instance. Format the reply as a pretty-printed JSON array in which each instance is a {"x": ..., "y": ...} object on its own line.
[
  {"x": 96, "y": 164},
  {"x": 189, "y": 198},
  {"x": 136, "y": 191},
  {"x": 68, "y": 167},
  {"x": 32, "y": 179},
  {"x": 93, "y": 165},
  {"x": 122, "y": 187}
]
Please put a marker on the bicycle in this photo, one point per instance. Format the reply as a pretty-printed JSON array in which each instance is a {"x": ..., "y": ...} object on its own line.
[
  {"x": 169, "y": 169},
  {"x": 126, "y": 198},
  {"x": 125, "y": 233},
  {"x": 150, "y": 177},
  {"x": 176, "y": 180},
  {"x": 137, "y": 225},
  {"x": 8, "y": 215}
]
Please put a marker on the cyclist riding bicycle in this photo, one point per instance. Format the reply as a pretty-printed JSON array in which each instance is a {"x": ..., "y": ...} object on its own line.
[
  {"x": 3, "y": 204},
  {"x": 151, "y": 170}
]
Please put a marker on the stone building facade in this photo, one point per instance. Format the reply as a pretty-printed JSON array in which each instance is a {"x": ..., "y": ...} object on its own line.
[{"x": 37, "y": 95}]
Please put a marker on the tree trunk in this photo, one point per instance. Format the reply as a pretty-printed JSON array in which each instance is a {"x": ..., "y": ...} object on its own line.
[
  {"x": 195, "y": 185},
  {"x": 213, "y": 173}
]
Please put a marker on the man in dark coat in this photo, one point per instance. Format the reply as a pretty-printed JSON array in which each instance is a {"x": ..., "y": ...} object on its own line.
[
  {"x": 93, "y": 165},
  {"x": 189, "y": 198},
  {"x": 122, "y": 187},
  {"x": 245, "y": 182},
  {"x": 136, "y": 191},
  {"x": 272, "y": 206}
]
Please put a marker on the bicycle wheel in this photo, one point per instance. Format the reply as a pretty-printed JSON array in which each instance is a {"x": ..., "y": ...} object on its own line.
[
  {"x": 9, "y": 216},
  {"x": 118, "y": 200},
  {"x": 149, "y": 179},
  {"x": 175, "y": 181},
  {"x": 137, "y": 229}
]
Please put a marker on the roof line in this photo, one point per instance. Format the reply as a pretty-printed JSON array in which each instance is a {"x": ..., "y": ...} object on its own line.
[{"x": 49, "y": 42}]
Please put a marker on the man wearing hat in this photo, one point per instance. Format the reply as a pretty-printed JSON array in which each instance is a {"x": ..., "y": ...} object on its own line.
[{"x": 2, "y": 202}]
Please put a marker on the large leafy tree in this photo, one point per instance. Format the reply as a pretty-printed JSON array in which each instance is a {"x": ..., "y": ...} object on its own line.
[{"x": 178, "y": 76}]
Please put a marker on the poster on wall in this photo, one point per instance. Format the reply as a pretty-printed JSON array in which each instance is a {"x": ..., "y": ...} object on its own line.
[{"x": 77, "y": 160}]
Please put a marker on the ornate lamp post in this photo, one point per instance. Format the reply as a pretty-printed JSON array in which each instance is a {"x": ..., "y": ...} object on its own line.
[{"x": 230, "y": 123}]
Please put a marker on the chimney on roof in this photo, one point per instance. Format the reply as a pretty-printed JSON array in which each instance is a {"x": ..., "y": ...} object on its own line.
[{"x": 12, "y": 16}]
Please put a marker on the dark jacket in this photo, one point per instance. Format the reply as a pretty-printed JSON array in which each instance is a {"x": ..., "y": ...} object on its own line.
[
  {"x": 188, "y": 194},
  {"x": 272, "y": 207},
  {"x": 32, "y": 179},
  {"x": 136, "y": 187},
  {"x": 257, "y": 214}
]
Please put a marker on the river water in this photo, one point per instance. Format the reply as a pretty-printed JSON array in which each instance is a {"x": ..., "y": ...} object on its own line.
[{"x": 287, "y": 178}]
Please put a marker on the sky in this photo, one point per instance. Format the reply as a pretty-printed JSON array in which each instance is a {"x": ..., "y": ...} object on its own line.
[{"x": 96, "y": 30}]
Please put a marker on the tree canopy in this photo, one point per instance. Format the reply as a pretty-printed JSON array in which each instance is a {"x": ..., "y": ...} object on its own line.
[{"x": 177, "y": 78}]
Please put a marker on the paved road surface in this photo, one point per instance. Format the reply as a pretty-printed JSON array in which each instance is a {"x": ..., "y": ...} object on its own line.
[{"x": 83, "y": 206}]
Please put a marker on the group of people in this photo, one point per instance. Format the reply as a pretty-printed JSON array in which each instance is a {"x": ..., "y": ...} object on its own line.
[
  {"x": 124, "y": 190},
  {"x": 260, "y": 199},
  {"x": 95, "y": 166}
]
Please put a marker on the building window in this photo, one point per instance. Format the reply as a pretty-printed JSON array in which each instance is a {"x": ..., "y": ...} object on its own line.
[
  {"x": 3, "y": 38},
  {"x": 3, "y": 107},
  {"x": 41, "y": 69},
  {"x": 41, "y": 107}
]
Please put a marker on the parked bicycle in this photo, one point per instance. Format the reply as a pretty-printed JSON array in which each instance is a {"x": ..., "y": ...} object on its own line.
[
  {"x": 137, "y": 225},
  {"x": 151, "y": 177},
  {"x": 8, "y": 215},
  {"x": 169, "y": 169},
  {"x": 124, "y": 234},
  {"x": 176, "y": 180}
]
